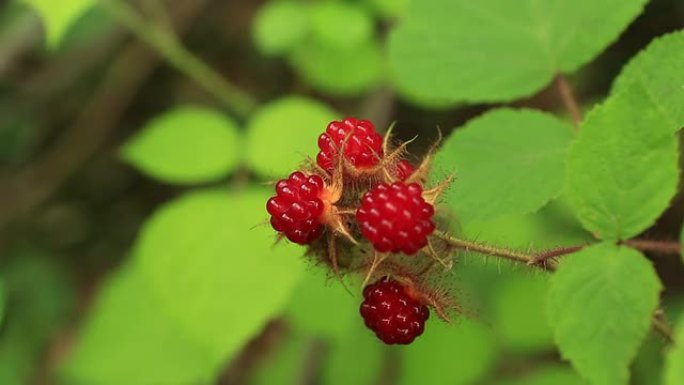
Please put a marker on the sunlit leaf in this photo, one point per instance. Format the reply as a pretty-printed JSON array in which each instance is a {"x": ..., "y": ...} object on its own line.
[
  {"x": 506, "y": 162},
  {"x": 499, "y": 50},
  {"x": 283, "y": 133},
  {"x": 59, "y": 16},
  {"x": 186, "y": 145},
  {"x": 623, "y": 170},
  {"x": 129, "y": 339},
  {"x": 212, "y": 263},
  {"x": 599, "y": 321}
]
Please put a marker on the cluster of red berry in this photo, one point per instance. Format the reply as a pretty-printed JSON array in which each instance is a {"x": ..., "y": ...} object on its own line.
[{"x": 360, "y": 188}]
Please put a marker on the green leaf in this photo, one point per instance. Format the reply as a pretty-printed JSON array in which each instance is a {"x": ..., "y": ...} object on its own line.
[
  {"x": 356, "y": 357},
  {"x": 456, "y": 354},
  {"x": 340, "y": 71},
  {"x": 3, "y": 302},
  {"x": 548, "y": 375},
  {"x": 499, "y": 50},
  {"x": 657, "y": 71},
  {"x": 284, "y": 364},
  {"x": 280, "y": 26},
  {"x": 623, "y": 169},
  {"x": 519, "y": 314},
  {"x": 599, "y": 321},
  {"x": 283, "y": 133},
  {"x": 674, "y": 367},
  {"x": 328, "y": 16},
  {"x": 186, "y": 145},
  {"x": 322, "y": 307},
  {"x": 215, "y": 268},
  {"x": 44, "y": 301},
  {"x": 128, "y": 339},
  {"x": 59, "y": 16},
  {"x": 506, "y": 162},
  {"x": 649, "y": 363},
  {"x": 389, "y": 8}
]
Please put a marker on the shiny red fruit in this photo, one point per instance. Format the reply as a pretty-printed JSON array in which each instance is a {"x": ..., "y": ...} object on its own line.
[
  {"x": 392, "y": 313},
  {"x": 395, "y": 218},
  {"x": 360, "y": 144},
  {"x": 297, "y": 208}
]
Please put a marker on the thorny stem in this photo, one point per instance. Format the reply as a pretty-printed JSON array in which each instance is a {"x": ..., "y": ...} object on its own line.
[
  {"x": 569, "y": 100},
  {"x": 163, "y": 41},
  {"x": 512, "y": 255},
  {"x": 542, "y": 260}
]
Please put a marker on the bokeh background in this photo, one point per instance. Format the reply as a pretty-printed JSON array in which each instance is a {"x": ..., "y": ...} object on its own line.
[{"x": 95, "y": 216}]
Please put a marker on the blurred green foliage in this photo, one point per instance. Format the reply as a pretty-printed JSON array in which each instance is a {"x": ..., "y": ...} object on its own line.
[{"x": 202, "y": 295}]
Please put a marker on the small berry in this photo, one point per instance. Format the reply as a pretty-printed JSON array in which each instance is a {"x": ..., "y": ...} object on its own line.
[
  {"x": 404, "y": 170},
  {"x": 360, "y": 144},
  {"x": 297, "y": 209},
  {"x": 392, "y": 313},
  {"x": 395, "y": 218}
]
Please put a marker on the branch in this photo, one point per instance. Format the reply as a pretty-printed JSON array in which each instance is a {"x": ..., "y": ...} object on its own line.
[
  {"x": 569, "y": 100},
  {"x": 542, "y": 261},
  {"x": 167, "y": 45},
  {"x": 662, "y": 247},
  {"x": 661, "y": 326}
]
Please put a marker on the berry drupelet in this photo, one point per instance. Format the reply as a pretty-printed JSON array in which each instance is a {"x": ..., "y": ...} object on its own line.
[
  {"x": 395, "y": 218},
  {"x": 392, "y": 312},
  {"x": 298, "y": 207},
  {"x": 360, "y": 144}
]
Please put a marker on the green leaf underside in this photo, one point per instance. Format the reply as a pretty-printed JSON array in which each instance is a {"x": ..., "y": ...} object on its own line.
[
  {"x": 129, "y": 339},
  {"x": 599, "y": 321},
  {"x": 506, "y": 162},
  {"x": 674, "y": 367},
  {"x": 59, "y": 16},
  {"x": 657, "y": 71},
  {"x": 212, "y": 262},
  {"x": 186, "y": 145},
  {"x": 454, "y": 354},
  {"x": 283, "y": 133},
  {"x": 499, "y": 50},
  {"x": 279, "y": 26},
  {"x": 623, "y": 169}
]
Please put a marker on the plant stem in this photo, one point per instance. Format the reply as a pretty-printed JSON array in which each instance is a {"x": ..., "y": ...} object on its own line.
[
  {"x": 569, "y": 100},
  {"x": 511, "y": 255},
  {"x": 661, "y": 326},
  {"x": 542, "y": 260},
  {"x": 663, "y": 247},
  {"x": 166, "y": 44}
]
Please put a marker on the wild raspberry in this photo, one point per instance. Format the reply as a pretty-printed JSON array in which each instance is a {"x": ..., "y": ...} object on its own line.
[
  {"x": 404, "y": 170},
  {"x": 360, "y": 144},
  {"x": 297, "y": 208},
  {"x": 395, "y": 218},
  {"x": 392, "y": 313}
]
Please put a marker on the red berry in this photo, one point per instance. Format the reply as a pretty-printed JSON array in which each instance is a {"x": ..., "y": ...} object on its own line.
[
  {"x": 297, "y": 208},
  {"x": 392, "y": 313},
  {"x": 360, "y": 144},
  {"x": 395, "y": 218},
  {"x": 404, "y": 170}
]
